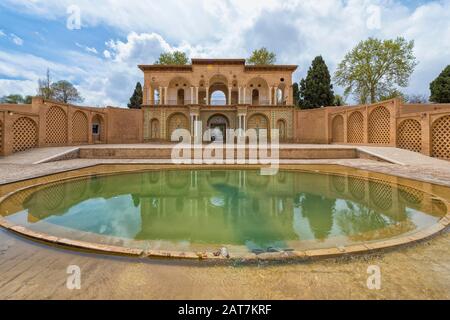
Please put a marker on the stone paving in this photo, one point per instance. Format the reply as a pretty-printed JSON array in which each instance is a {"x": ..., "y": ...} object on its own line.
[{"x": 31, "y": 270}]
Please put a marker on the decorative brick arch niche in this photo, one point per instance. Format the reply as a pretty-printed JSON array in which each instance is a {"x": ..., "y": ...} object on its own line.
[
  {"x": 25, "y": 134},
  {"x": 409, "y": 135},
  {"x": 98, "y": 129},
  {"x": 80, "y": 128},
  {"x": 379, "y": 126},
  {"x": 176, "y": 121},
  {"x": 155, "y": 129},
  {"x": 282, "y": 129},
  {"x": 441, "y": 137},
  {"x": 338, "y": 129},
  {"x": 55, "y": 126},
  {"x": 355, "y": 128}
]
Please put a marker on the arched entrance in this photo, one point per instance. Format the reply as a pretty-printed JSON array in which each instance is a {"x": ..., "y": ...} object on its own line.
[
  {"x": 218, "y": 124},
  {"x": 218, "y": 90},
  {"x": 98, "y": 130}
]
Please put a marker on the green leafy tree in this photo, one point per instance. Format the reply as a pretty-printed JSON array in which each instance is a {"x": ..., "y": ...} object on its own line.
[
  {"x": 296, "y": 93},
  {"x": 12, "y": 99},
  {"x": 393, "y": 94},
  {"x": 45, "y": 87},
  {"x": 15, "y": 99},
  {"x": 27, "y": 99},
  {"x": 316, "y": 89},
  {"x": 262, "y": 57},
  {"x": 173, "y": 58},
  {"x": 375, "y": 67},
  {"x": 440, "y": 87},
  {"x": 136, "y": 99},
  {"x": 339, "y": 100},
  {"x": 65, "y": 92}
]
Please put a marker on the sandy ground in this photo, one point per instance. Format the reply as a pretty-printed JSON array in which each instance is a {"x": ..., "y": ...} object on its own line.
[{"x": 30, "y": 270}]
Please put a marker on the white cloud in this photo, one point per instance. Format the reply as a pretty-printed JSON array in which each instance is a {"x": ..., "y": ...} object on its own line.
[
  {"x": 17, "y": 40},
  {"x": 296, "y": 30},
  {"x": 86, "y": 48},
  {"x": 2, "y": 34}
]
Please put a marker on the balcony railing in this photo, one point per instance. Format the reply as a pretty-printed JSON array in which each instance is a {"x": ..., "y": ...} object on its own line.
[{"x": 214, "y": 102}]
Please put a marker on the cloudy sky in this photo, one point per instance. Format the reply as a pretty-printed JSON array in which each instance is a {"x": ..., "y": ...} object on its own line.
[{"x": 100, "y": 55}]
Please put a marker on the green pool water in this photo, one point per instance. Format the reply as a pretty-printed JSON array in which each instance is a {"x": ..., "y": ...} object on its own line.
[{"x": 209, "y": 209}]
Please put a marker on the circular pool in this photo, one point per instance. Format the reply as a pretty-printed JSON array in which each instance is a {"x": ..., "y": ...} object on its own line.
[{"x": 225, "y": 213}]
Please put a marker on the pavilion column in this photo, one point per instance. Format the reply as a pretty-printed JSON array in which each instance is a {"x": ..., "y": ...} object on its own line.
[
  {"x": 207, "y": 96},
  {"x": 166, "y": 96},
  {"x": 245, "y": 95},
  {"x": 270, "y": 95},
  {"x": 151, "y": 95},
  {"x": 229, "y": 95},
  {"x": 196, "y": 95},
  {"x": 192, "y": 95},
  {"x": 160, "y": 92},
  {"x": 239, "y": 95}
]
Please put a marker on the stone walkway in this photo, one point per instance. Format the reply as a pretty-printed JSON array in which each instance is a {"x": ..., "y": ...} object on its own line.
[{"x": 31, "y": 163}]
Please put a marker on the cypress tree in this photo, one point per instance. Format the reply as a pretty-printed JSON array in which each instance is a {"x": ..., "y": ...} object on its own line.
[
  {"x": 136, "y": 98},
  {"x": 440, "y": 88},
  {"x": 316, "y": 89}
]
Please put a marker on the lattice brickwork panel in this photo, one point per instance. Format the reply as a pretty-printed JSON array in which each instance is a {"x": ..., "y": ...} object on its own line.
[
  {"x": 338, "y": 129},
  {"x": 177, "y": 121},
  {"x": 338, "y": 184},
  {"x": 409, "y": 135},
  {"x": 411, "y": 196},
  {"x": 1, "y": 136},
  {"x": 441, "y": 138},
  {"x": 381, "y": 195},
  {"x": 25, "y": 134},
  {"x": 355, "y": 128},
  {"x": 379, "y": 126},
  {"x": 439, "y": 208},
  {"x": 80, "y": 130},
  {"x": 357, "y": 188},
  {"x": 55, "y": 126}
]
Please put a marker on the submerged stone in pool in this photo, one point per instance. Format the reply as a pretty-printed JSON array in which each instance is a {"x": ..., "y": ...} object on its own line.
[{"x": 212, "y": 209}]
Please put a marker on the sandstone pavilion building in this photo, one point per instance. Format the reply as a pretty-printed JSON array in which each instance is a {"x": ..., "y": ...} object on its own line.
[{"x": 221, "y": 93}]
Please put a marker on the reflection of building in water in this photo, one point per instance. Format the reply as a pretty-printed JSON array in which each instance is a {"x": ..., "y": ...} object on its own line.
[{"x": 202, "y": 205}]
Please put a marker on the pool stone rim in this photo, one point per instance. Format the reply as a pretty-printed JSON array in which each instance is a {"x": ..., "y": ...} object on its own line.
[{"x": 299, "y": 255}]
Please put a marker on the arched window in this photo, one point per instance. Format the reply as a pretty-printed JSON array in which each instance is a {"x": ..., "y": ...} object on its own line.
[
  {"x": 218, "y": 98},
  {"x": 279, "y": 96},
  {"x": 180, "y": 97},
  {"x": 255, "y": 97}
]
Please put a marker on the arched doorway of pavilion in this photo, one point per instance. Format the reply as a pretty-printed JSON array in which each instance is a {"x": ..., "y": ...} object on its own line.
[
  {"x": 218, "y": 124},
  {"x": 218, "y": 90}
]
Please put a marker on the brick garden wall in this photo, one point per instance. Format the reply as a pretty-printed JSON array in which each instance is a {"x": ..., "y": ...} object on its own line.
[
  {"x": 47, "y": 123},
  {"x": 423, "y": 128}
]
